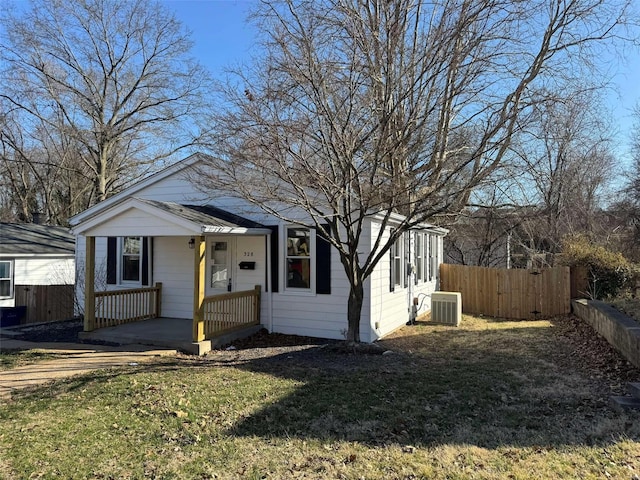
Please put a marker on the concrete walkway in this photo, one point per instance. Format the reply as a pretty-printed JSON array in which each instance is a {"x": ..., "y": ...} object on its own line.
[{"x": 76, "y": 359}]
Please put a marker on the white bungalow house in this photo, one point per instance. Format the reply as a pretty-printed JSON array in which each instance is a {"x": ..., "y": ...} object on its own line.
[{"x": 164, "y": 248}]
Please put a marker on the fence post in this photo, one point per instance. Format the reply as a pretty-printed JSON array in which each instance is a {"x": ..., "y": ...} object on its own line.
[
  {"x": 256, "y": 305},
  {"x": 158, "y": 299}
]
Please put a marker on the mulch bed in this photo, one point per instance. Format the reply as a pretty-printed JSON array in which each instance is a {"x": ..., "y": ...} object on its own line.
[{"x": 65, "y": 331}]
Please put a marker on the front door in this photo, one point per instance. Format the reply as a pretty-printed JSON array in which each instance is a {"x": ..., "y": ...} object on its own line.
[{"x": 219, "y": 263}]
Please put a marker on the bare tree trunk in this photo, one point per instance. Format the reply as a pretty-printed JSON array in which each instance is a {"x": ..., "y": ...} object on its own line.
[{"x": 354, "y": 310}]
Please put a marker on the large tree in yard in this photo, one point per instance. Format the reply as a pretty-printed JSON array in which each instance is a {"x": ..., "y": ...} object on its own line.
[
  {"x": 363, "y": 107},
  {"x": 100, "y": 89}
]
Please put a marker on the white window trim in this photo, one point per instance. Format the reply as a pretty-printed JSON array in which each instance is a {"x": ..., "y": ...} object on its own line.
[
  {"x": 418, "y": 245},
  {"x": 436, "y": 258},
  {"x": 11, "y": 279},
  {"x": 311, "y": 291},
  {"x": 398, "y": 248},
  {"x": 120, "y": 263}
]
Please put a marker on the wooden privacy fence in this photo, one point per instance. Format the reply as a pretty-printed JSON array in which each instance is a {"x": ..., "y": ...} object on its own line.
[
  {"x": 45, "y": 303},
  {"x": 230, "y": 311},
  {"x": 117, "y": 307},
  {"x": 509, "y": 293}
]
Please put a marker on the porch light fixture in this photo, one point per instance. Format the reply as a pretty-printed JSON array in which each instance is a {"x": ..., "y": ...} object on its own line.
[{"x": 192, "y": 243}]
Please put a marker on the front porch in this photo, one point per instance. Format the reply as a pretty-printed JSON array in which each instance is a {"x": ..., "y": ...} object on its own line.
[
  {"x": 135, "y": 316},
  {"x": 173, "y": 333},
  {"x": 161, "y": 260}
]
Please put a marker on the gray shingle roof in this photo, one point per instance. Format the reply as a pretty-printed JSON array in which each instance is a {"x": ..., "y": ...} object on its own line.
[
  {"x": 31, "y": 238},
  {"x": 204, "y": 214}
]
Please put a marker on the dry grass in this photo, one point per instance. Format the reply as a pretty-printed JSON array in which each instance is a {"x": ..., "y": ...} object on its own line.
[
  {"x": 489, "y": 400},
  {"x": 629, "y": 306}
]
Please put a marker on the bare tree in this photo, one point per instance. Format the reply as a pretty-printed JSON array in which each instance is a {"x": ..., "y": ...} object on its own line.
[
  {"x": 111, "y": 77},
  {"x": 369, "y": 107},
  {"x": 625, "y": 212},
  {"x": 568, "y": 166},
  {"x": 43, "y": 171}
]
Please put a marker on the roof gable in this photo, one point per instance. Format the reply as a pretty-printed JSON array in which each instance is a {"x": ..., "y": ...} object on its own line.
[
  {"x": 144, "y": 217},
  {"x": 167, "y": 172}
]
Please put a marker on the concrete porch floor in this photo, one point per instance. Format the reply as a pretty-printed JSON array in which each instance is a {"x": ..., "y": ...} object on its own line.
[{"x": 164, "y": 332}]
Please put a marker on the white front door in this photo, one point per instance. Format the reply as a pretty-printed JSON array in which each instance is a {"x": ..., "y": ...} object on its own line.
[{"x": 220, "y": 255}]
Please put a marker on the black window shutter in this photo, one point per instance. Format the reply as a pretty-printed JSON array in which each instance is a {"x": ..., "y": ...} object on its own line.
[
  {"x": 323, "y": 264},
  {"x": 147, "y": 253},
  {"x": 112, "y": 260},
  {"x": 392, "y": 264},
  {"x": 275, "y": 258}
]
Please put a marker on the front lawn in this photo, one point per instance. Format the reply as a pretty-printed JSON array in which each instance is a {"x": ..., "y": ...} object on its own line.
[{"x": 488, "y": 400}]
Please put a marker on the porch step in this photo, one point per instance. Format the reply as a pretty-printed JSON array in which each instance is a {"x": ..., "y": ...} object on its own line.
[
  {"x": 634, "y": 389},
  {"x": 624, "y": 403}
]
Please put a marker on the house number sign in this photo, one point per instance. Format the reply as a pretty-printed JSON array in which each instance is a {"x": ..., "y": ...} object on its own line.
[{"x": 248, "y": 254}]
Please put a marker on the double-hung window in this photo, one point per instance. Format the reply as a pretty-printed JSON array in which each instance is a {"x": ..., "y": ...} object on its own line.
[
  {"x": 131, "y": 259},
  {"x": 417, "y": 246},
  {"x": 431, "y": 242},
  {"x": 298, "y": 258},
  {"x": 6, "y": 278},
  {"x": 397, "y": 263}
]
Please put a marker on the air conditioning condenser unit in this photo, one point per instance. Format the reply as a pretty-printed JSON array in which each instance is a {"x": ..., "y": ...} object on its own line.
[{"x": 446, "y": 308}]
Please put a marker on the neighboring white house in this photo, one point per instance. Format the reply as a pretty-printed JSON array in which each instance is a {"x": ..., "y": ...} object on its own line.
[
  {"x": 148, "y": 232},
  {"x": 33, "y": 255}
]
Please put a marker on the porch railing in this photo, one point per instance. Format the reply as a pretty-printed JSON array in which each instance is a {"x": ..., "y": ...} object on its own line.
[
  {"x": 117, "y": 307},
  {"x": 230, "y": 311}
]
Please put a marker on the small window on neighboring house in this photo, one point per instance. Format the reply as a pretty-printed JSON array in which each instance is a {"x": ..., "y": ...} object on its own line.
[
  {"x": 131, "y": 259},
  {"x": 298, "y": 258},
  {"x": 6, "y": 279}
]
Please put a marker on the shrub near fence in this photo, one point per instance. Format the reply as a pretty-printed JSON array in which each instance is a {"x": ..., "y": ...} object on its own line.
[{"x": 509, "y": 293}]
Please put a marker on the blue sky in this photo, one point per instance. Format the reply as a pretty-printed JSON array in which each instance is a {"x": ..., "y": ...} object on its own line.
[
  {"x": 223, "y": 38},
  {"x": 219, "y": 31}
]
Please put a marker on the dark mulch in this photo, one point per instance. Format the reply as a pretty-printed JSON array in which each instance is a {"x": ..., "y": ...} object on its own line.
[{"x": 64, "y": 331}]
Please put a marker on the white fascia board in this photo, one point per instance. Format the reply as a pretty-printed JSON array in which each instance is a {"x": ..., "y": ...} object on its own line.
[
  {"x": 431, "y": 229},
  {"x": 134, "y": 203},
  {"x": 218, "y": 229},
  {"x": 395, "y": 218},
  {"x": 38, "y": 255},
  {"x": 136, "y": 187}
]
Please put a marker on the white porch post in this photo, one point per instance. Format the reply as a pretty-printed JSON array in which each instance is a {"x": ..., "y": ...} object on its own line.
[
  {"x": 89, "y": 284},
  {"x": 198, "y": 288}
]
